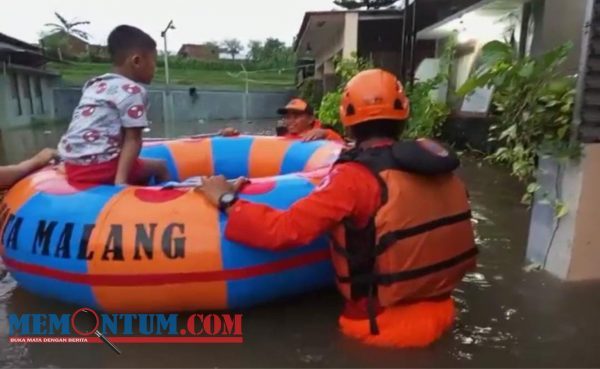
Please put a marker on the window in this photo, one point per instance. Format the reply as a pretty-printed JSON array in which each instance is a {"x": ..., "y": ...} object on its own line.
[
  {"x": 37, "y": 90},
  {"x": 27, "y": 92},
  {"x": 37, "y": 87},
  {"x": 14, "y": 82}
]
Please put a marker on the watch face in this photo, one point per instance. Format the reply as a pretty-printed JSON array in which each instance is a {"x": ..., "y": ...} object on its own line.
[{"x": 227, "y": 198}]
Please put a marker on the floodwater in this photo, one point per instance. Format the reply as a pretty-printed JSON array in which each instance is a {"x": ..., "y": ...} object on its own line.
[{"x": 509, "y": 315}]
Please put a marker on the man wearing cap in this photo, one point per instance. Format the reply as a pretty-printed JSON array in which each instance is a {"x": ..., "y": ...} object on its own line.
[{"x": 300, "y": 123}]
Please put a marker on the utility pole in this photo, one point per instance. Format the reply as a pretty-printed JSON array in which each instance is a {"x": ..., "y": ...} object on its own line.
[
  {"x": 245, "y": 113},
  {"x": 168, "y": 101}
]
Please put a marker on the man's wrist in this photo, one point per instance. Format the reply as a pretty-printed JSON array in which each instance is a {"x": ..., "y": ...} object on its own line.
[{"x": 227, "y": 200}]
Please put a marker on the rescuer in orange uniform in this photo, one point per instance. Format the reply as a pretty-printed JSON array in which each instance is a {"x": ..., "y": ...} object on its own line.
[
  {"x": 402, "y": 238},
  {"x": 300, "y": 123}
]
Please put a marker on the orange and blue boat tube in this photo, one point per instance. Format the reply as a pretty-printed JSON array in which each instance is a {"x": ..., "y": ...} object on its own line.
[{"x": 152, "y": 249}]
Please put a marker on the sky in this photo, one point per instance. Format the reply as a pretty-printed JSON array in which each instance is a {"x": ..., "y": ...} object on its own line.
[{"x": 196, "y": 21}]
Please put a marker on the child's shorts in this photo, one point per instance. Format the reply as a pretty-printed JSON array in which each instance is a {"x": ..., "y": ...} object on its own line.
[{"x": 102, "y": 173}]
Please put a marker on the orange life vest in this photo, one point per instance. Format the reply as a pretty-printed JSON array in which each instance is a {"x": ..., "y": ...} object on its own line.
[{"x": 420, "y": 242}]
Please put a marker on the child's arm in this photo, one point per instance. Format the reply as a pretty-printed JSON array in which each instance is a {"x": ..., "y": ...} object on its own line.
[
  {"x": 132, "y": 144},
  {"x": 133, "y": 120},
  {"x": 10, "y": 174}
]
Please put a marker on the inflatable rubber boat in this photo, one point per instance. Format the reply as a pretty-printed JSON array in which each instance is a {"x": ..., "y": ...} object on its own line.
[{"x": 158, "y": 248}]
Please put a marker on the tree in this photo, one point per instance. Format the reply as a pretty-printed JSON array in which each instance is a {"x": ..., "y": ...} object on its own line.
[
  {"x": 277, "y": 54},
  {"x": 213, "y": 45},
  {"x": 369, "y": 4},
  {"x": 255, "y": 50},
  {"x": 52, "y": 42},
  {"x": 272, "y": 53},
  {"x": 233, "y": 47},
  {"x": 55, "y": 38},
  {"x": 68, "y": 27}
]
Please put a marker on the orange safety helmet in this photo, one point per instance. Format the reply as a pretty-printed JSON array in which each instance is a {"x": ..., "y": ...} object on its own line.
[{"x": 373, "y": 94}]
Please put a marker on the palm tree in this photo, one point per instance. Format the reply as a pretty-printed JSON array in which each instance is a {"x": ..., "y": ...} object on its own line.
[
  {"x": 61, "y": 30},
  {"x": 68, "y": 27}
]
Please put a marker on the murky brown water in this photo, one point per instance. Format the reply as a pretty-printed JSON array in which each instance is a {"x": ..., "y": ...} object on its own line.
[{"x": 508, "y": 316}]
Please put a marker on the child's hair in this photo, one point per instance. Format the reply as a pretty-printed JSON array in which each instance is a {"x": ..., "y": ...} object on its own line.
[
  {"x": 381, "y": 128},
  {"x": 125, "y": 39}
]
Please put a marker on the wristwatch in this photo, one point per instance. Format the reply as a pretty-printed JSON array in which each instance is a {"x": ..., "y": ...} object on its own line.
[{"x": 227, "y": 200}]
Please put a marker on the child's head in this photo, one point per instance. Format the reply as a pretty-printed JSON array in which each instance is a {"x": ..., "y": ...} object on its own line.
[{"x": 133, "y": 53}]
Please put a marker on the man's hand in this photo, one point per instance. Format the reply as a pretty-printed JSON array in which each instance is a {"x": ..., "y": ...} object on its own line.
[
  {"x": 315, "y": 134},
  {"x": 45, "y": 156},
  {"x": 214, "y": 187},
  {"x": 229, "y": 131}
]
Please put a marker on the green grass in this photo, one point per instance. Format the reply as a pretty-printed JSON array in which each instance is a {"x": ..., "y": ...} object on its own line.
[{"x": 77, "y": 73}]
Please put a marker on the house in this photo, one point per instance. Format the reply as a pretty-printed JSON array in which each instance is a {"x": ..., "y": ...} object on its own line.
[
  {"x": 385, "y": 37},
  {"x": 570, "y": 247},
  {"x": 25, "y": 84},
  {"x": 199, "y": 52},
  {"x": 325, "y": 35},
  {"x": 69, "y": 44}
]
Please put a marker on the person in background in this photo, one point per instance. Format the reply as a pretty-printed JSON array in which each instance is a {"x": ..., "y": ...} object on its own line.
[
  {"x": 398, "y": 216},
  {"x": 104, "y": 139},
  {"x": 11, "y": 174},
  {"x": 299, "y": 123}
]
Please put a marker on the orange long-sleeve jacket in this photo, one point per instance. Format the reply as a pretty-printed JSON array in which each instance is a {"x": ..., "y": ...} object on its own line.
[
  {"x": 349, "y": 190},
  {"x": 331, "y": 134}
]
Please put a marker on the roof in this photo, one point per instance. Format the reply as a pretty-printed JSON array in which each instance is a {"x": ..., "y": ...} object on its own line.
[
  {"x": 339, "y": 13},
  {"x": 20, "y": 52},
  {"x": 197, "y": 46},
  {"x": 14, "y": 42}
]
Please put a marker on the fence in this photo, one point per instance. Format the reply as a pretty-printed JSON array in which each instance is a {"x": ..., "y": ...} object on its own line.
[{"x": 192, "y": 106}]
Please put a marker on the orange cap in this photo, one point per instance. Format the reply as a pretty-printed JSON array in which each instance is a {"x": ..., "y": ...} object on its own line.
[
  {"x": 373, "y": 94},
  {"x": 297, "y": 105}
]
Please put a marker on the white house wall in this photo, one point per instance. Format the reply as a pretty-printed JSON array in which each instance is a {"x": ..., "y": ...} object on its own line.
[{"x": 350, "y": 34}]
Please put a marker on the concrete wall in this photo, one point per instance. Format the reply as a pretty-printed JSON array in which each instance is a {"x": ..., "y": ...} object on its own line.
[
  {"x": 570, "y": 247},
  {"x": 35, "y": 102},
  {"x": 4, "y": 94},
  {"x": 557, "y": 22},
  {"x": 207, "y": 105}
]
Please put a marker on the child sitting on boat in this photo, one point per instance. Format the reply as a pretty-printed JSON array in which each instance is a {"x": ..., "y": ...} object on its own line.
[
  {"x": 104, "y": 139},
  {"x": 300, "y": 123}
]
